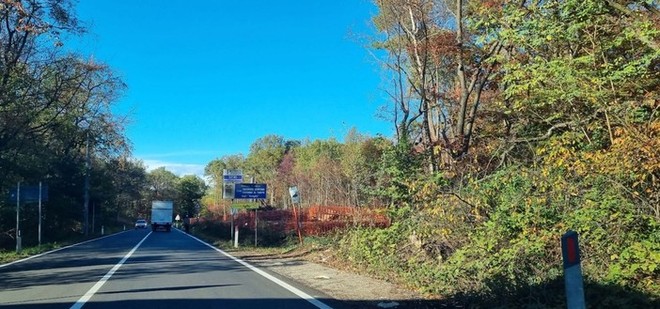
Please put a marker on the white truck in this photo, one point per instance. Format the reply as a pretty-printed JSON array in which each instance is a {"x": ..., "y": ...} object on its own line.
[{"x": 161, "y": 215}]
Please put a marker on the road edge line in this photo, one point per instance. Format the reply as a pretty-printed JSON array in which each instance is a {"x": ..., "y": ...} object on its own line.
[
  {"x": 88, "y": 295},
  {"x": 319, "y": 304},
  {"x": 58, "y": 249}
]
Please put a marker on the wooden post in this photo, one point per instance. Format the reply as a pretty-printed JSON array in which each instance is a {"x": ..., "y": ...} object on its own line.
[
  {"x": 255, "y": 226},
  {"x": 296, "y": 218}
]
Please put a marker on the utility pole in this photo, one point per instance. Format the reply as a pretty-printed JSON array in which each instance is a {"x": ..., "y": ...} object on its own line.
[
  {"x": 86, "y": 197},
  {"x": 93, "y": 217},
  {"x": 18, "y": 217},
  {"x": 40, "y": 213}
]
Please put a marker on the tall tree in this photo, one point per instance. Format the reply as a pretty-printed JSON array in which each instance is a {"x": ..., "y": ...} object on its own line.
[
  {"x": 319, "y": 172},
  {"x": 52, "y": 104},
  {"x": 264, "y": 158},
  {"x": 162, "y": 184},
  {"x": 129, "y": 177},
  {"x": 425, "y": 38},
  {"x": 355, "y": 167},
  {"x": 190, "y": 190}
]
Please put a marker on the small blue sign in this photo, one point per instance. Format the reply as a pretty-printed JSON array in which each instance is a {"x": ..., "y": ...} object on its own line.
[
  {"x": 29, "y": 194},
  {"x": 232, "y": 178},
  {"x": 250, "y": 191}
]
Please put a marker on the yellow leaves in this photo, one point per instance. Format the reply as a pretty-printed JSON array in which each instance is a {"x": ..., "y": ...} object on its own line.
[
  {"x": 632, "y": 159},
  {"x": 540, "y": 151},
  {"x": 445, "y": 232},
  {"x": 545, "y": 172}
]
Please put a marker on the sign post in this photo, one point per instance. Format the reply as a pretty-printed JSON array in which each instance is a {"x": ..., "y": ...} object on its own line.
[
  {"x": 295, "y": 199},
  {"x": 236, "y": 236},
  {"x": 233, "y": 212},
  {"x": 229, "y": 180},
  {"x": 18, "y": 217},
  {"x": 27, "y": 194},
  {"x": 40, "y": 192},
  {"x": 247, "y": 191},
  {"x": 572, "y": 271}
]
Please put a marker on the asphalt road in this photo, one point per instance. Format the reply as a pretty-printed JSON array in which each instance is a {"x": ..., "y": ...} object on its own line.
[{"x": 142, "y": 269}]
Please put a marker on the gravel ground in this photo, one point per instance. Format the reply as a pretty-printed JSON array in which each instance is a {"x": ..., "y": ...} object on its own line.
[{"x": 352, "y": 289}]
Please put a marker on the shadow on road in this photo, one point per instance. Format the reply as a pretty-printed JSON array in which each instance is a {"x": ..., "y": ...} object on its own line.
[{"x": 255, "y": 303}]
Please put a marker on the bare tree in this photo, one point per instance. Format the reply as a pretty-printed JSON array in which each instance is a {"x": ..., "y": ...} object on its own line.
[{"x": 424, "y": 38}]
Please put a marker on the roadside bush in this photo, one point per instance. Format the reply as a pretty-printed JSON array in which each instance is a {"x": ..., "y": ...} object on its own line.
[
  {"x": 374, "y": 249},
  {"x": 502, "y": 242}
]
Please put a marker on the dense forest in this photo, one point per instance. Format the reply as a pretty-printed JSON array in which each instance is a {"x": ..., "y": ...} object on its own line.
[{"x": 514, "y": 121}]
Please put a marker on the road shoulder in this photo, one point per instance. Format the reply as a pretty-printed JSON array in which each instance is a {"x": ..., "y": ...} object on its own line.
[{"x": 356, "y": 290}]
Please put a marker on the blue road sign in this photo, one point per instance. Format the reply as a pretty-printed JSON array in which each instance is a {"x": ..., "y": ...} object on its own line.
[
  {"x": 250, "y": 191},
  {"x": 232, "y": 178},
  {"x": 29, "y": 194}
]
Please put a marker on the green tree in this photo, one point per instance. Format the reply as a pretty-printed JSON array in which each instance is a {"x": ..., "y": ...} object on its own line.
[
  {"x": 52, "y": 104},
  {"x": 190, "y": 190},
  {"x": 355, "y": 167},
  {"x": 129, "y": 178},
  {"x": 162, "y": 185},
  {"x": 319, "y": 174},
  {"x": 264, "y": 158}
]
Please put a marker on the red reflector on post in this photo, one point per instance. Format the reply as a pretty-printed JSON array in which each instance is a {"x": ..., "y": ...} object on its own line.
[{"x": 570, "y": 249}]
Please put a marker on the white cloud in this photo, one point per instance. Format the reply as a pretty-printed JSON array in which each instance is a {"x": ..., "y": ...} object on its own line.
[
  {"x": 181, "y": 153},
  {"x": 179, "y": 169}
]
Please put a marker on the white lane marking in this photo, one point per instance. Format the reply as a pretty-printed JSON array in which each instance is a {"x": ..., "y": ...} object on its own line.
[
  {"x": 107, "y": 276},
  {"x": 59, "y": 249},
  {"x": 270, "y": 277}
]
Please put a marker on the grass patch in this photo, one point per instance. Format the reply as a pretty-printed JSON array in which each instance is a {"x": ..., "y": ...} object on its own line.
[
  {"x": 8, "y": 256},
  {"x": 11, "y": 256}
]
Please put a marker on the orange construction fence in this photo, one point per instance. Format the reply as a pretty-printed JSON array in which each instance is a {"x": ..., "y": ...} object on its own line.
[{"x": 314, "y": 220}]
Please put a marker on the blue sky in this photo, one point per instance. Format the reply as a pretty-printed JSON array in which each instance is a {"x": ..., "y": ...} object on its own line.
[{"x": 207, "y": 78}]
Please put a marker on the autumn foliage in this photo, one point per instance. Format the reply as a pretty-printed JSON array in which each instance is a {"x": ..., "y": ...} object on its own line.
[{"x": 514, "y": 121}]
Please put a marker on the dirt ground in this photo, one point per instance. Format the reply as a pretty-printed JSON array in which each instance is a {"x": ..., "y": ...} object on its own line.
[{"x": 322, "y": 271}]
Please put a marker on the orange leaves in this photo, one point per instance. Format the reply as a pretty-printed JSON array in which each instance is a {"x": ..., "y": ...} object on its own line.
[{"x": 442, "y": 44}]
